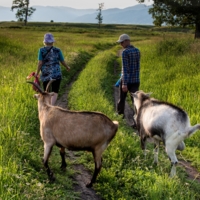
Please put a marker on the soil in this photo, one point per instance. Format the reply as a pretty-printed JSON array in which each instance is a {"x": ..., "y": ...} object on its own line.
[
  {"x": 192, "y": 173},
  {"x": 82, "y": 175}
]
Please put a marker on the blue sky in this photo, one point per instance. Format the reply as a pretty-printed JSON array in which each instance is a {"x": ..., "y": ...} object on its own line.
[{"x": 80, "y": 4}]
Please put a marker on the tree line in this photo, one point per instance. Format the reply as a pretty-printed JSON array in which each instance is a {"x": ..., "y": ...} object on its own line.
[
  {"x": 185, "y": 13},
  {"x": 176, "y": 13}
]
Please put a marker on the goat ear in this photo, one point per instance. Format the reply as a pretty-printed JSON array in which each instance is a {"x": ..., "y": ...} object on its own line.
[
  {"x": 51, "y": 93},
  {"x": 134, "y": 95},
  {"x": 149, "y": 94},
  {"x": 36, "y": 96}
]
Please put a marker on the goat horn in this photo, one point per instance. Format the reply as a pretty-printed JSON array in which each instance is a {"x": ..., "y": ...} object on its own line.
[
  {"x": 49, "y": 83},
  {"x": 37, "y": 86}
]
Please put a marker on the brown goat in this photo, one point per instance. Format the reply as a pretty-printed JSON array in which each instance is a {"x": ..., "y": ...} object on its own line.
[{"x": 74, "y": 130}]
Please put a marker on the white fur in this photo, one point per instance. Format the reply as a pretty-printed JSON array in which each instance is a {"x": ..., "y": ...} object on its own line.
[{"x": 164, "y": 118}]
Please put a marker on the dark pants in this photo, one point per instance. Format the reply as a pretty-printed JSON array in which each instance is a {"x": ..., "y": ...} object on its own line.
[
  {"x": 55, "y": 86},
  {"x": 132, "y": 87}
]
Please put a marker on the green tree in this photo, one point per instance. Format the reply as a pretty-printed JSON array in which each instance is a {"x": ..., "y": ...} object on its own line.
[
  {"x": 99, "y": 16},
  {"x": 23, "y": 10},
  {"x": 176, "y": 12}
]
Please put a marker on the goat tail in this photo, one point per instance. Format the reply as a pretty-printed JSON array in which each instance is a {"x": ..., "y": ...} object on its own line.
[
  {"x": 193, "y": 129},
  {"x": 116, "y": 123},
  {"x": 114, "y": 130}
]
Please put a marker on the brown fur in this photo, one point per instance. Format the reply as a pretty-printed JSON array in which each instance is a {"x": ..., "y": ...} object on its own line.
[{"x": 74, "y": 130}]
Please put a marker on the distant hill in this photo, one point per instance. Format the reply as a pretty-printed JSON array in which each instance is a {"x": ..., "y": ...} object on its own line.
[{"x": 131, "y": 15}]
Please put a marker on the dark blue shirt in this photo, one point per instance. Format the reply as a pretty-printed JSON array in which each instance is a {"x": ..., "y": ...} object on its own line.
[{"x": 130, "y": 65}]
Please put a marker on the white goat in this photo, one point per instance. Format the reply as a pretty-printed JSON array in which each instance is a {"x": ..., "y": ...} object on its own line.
[
  {"x": 74, "y": 130},
  {"x": 161, "y": 121}
]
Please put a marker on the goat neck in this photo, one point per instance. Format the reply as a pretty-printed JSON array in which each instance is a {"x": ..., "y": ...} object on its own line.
[{"x": 44, "y": 103}]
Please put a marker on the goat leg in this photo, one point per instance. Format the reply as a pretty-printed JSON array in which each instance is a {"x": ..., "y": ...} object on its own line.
[
  {"x": 156, "y": 149},
  {"x": 49, "y": 172},
  {"x": 47, "y": 152},
  {"x": 62, "y": 154},
  {"x": 173, "y": 170},
  {"x": 143, "y": 143},
  {"x": 143, "y": 146},
  {"x": 170, "y": 149},
  {"x": 95, "y": 174}
]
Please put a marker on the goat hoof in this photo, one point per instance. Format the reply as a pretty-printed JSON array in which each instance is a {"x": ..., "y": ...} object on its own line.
[
  {"x": 52, "y": 178},
  {"x": 63, "y": 167},
  {"x": 155, "y": 164},
  {"x": 89, "y": 185}
]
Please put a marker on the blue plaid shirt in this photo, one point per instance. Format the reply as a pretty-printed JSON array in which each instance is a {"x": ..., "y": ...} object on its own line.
[{"x": 130, "y": 65}]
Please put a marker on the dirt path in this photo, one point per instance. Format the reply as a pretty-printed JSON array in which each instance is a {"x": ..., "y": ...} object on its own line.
[
  {"x": 82, "y": 175},
  {"x": 192, "y": 173}
]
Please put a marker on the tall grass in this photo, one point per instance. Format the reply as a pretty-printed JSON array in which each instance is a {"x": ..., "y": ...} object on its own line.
[
  {"x": 21, "y": 170},
  {"x": 125, "y": 173}
]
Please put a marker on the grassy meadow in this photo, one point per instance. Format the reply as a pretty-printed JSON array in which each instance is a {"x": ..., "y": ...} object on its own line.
[{"x": 170, "y": 69}]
